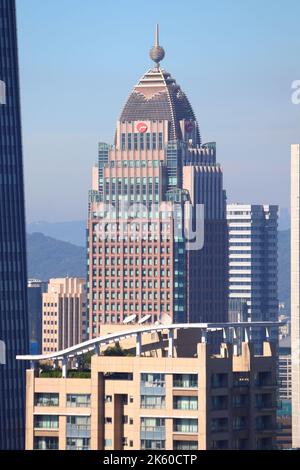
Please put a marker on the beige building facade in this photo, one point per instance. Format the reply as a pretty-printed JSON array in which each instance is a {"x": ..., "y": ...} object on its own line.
[
  {"x": 171, "y": 392},
  {"x": 64, "y": 314}
]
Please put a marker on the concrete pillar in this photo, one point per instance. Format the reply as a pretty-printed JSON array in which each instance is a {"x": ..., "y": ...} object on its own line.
[
  {"x": 203, "y": 336},
  {"x": 247, "y": 334},
  {"x": 138, "y": 344},
  {"x": 235, "y": 346},
  {"x": 225, "y": 335},
  {"x": 267, "y": 333},
  {"x": 64, "y": 367},
  {"x": 171, "y": 343}
]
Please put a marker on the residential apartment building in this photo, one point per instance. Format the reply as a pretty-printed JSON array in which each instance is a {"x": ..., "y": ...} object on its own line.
[
  {"x": 166, "y": 391},
  {"x": 64, "y": 314}
]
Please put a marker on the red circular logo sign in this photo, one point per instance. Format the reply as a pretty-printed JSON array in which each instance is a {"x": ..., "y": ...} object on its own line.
[
  {"x": 189, "y": 126},
  {"x": 142, "y": 127}
]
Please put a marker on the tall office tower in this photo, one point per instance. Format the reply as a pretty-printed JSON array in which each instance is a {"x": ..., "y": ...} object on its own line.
[
  {"x": 295, "y": 291},
  {"x": 139, "y": 262},
  {"x": 13, "y": 291},
  {"x": 253, "y": 263},
  {"x": 35, "y": 289},
  {"x": 64, "y": 314}
]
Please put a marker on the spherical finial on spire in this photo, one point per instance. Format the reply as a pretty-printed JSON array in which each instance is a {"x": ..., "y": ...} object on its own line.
[{"x": 157, "y": 52}]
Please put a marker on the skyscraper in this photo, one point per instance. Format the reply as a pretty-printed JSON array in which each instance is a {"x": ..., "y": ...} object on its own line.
[
  {"x": 13, "y": 291},
  {"x": 146, "y": 187},
  {"x": 295, "y": 292},
  {"x": 253, "y": 265}
]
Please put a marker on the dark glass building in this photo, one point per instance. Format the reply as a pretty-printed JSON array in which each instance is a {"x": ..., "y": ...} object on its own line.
[
  {"x": 13, "y": 288},
  {"x": 35, "y": 290}
]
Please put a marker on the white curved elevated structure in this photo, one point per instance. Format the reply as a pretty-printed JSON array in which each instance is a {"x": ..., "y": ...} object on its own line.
[{"x": 96, "y": 343}]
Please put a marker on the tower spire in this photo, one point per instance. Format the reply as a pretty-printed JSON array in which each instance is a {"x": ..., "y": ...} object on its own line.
[
  {"x": 157, "y": 36},
  {"x": 157, "y": 53}
]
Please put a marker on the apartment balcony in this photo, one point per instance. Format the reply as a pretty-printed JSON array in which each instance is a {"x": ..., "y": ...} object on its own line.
[
  {"x": 157, "y": 433},
  {"x": 80, "y": 431},
  {"x": 152, "y": 390}
]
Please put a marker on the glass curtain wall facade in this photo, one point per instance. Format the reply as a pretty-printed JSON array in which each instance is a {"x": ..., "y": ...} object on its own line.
[{"x": 13, "y": 283}]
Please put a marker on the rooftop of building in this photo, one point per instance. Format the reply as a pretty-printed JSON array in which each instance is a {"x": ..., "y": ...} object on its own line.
[
  {"x": 197, "y": 332},
  {"x": 158, "y": 97}
]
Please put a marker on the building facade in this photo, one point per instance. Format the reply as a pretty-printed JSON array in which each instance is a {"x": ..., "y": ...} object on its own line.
[
  {"x": 295, "y": 291},
  {"x": 253, "y": 264},
  {"x": 169, "y": 391},
  {"x": 13, "y": 276},
  {"x": 140, "y": 259},
  {"x": 284, "y": 412},
  {"x": 64, "y": 314}
]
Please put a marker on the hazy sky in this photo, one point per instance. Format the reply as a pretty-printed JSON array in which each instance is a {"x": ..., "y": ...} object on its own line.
[{"x": 235, "y": 59}]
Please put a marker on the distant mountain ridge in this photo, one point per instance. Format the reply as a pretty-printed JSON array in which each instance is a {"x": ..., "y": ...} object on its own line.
[
  {"x": 72, "y": 232},
  {"x": 48, "y": 257}
]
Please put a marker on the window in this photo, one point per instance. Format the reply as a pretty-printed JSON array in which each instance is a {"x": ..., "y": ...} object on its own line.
[
  {"x": 185, "y": 445},
  {"x": 148, "y": 401},
  {"x": 46, "y": 422},
  {"x": 153, "y": 424},
  {"x": 45, "y": 443},
  {"x": 219, "y": 380},
  {"x": 219, "y": 425},
  {"x": 185, "y": 403},
  {"x": 185, "y": 425},
  {"x": 78, "y": 443},
  {"x": 79, "y": 401},
  {"x": 46, "y": 399},
  {"x": 185, "y": 381},
  {"x": 153, "y": 444},
  {"x": 153, "y": 380}
]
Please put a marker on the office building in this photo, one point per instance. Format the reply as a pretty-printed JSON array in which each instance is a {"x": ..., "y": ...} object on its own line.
[
  {"x": 253, "y": 265},
  {"x": 141, "y": 261},
  {"x": 64, "y": 314},
  {"x": 35, "y": 289},
  {"x": 13, "y": 277}
]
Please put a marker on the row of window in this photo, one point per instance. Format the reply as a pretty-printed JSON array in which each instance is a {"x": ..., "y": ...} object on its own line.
[
  {"x": 132, "y": 284},
  {"x": 72, "y": 400},
  {"x": 131, "y": 261},
  {"x": 133, "y": 250},
  {"x": 125, "y": 272},
  {"x": 142, "y": 141}
]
